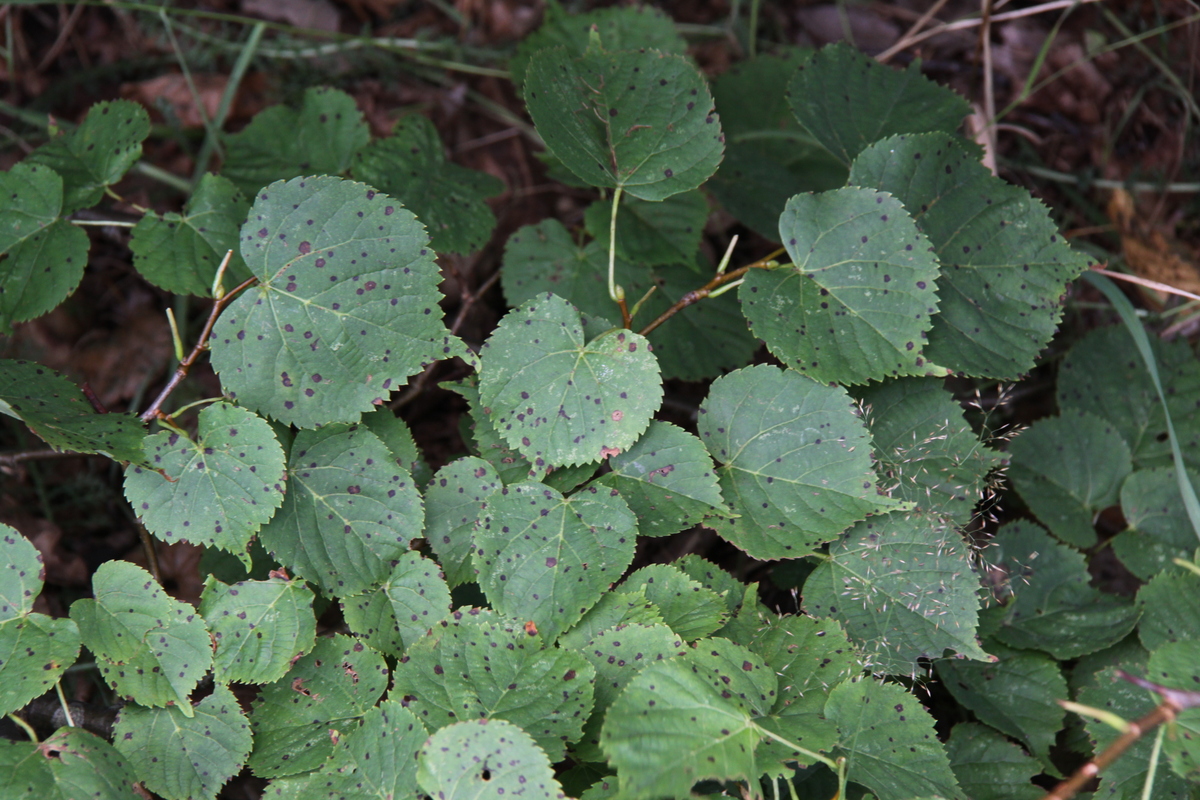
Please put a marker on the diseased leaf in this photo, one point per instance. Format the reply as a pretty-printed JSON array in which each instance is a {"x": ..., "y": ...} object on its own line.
[
  {"x": 454, "y": 502},
  {"x": 847, "y": 100},
  {"x": 1104, "y": 374},
  {"x": 148, "y": 646},
  {"x": 1176, "y": 665},
  {"x": 392, "y": 616},
  {"x": 618, "y": 654},
  {"x": 98, "y": 153},
  {"x": 259, "y": 627},
  {"x": 859, "y": 298},
  {"x": 1017, "y": 695},
  {"x": 1068, "y": 469},
  {"x": 1049, "y": 604},
  {"x": 216, "y": 491},
  {"x": 615, "y": 608},
  {"x": 71, "y": 764},
  {"x": 1159, "y": 529},
  {"x": 181, "y": 252},
  {"x": 546, "y": 558},
  {"x": 769, "y": 157},
  {"x": 810, "y": 656},
  {"x": 649, "y": 233},
  {"x": 903, "y": 587},
  {"x": 483, "y": 758},
  {"x": 450, "y": 200},
  {"x": 795, "y": 461},
  {"x": 710, "y": 576},
  {"x": 474, "y": 666},
  {"x": 327, "y": 690},
  {"x": 1170, "y": 605},
  {"x": 35, "y": 649},
  {"x": 620, "y": 28},
  {"x": 1005, "y": 268},
  {"x": 346, "y": 308},
  {"x": 319, "y": 138},
  {"x": 56, "y": 410},
  {"x": 185, "y": 756},
  {"x": 640, "y": 120},
  {"x": 44, "y": 255},
  {"x": 561, "y": 400},
  {"x": 349, "y": 512},
  {"x": 888, "y": 741},
  {"x": 688, "y": 608},
  {"x": 398, "y": 439},
  {"x": 689, "y": 718},
  {"x": 925, "y": 449},
  {"x": 376, "y": 760},
  {"x": 667, "y": 479},
  {"x": 989, "y": 767}
]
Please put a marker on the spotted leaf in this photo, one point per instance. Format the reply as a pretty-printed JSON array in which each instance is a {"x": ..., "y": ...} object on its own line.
[
  {"x": 393, "y": 615},
  {"x": 259, "y": 627},
  {"x": 484, "y": 758}
]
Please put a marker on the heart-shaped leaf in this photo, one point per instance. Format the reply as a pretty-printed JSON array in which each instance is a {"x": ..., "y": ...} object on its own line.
[
  {"x": 561, "y": 400},
  {"x": 393, "y": 615},
  {"x": 259, "y": 627},
  {"x": 346, "y": 308},
  {"x": 484, "y": 758}
]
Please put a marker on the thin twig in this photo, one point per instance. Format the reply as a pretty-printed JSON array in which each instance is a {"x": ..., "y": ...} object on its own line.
[
  {"x": 905, "y": 40},
  {"x": 181, "y": 371},
  {"x": 12, "y": 459},
  {"x": 1162, "y": 287},
  {"x": 707, "y": 289}
]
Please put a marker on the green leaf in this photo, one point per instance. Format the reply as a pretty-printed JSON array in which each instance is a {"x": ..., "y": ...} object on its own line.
[
  {"x": 858, "y": 300},
  {"x": 327, "y": 690},
  {"x": 1159, "y": 529},
  {"x": 509, "y": 465},
  {"x": 925, "y": 449},
  {"x": 454, "y": 502},
  {"x": 689, "y": 718},
  {"x": 1068, "y": 469},
  {"x": 888, "y": 741},
  {"x": 1104, "y": 374},
  {"x": 562, "y": 401},
  {"x": 1176, "y": 665},
  {"x": 903, "y": 587},
  {"x": 148, "y": 646},
  {"x": 44, "y": 255},
  {"x": 216, "y": 491},
  {"x": 396, "y": 436},
  {"x": 392, "y": 616},
  {"x": 56, "y": 410},
  {"x": 614, "y": 609},
  {"x": 96, "y": 154},
  {"x": 651, "y": 233},
  {"x": 35, "y": 650},
  {"x": 377, "y": 760},
  {"x": 346, "y": 308},
  {"x": 847, "y": 100},
  {"x": 688, "y": 608},
  {"x": 989, "y": 767},
  {"x": 71, "y": 764},
  {"x": 618, "y": 654},
  {"x": 1170, "y": 605},
  {"x": 1051, "y": 606},
  {"x": 810, "y": 656},
  {"x": 483, "y": 758},
  {"x": 667, "y": 479},
  {"x": 258, "y": 627},
  {"x": 623, "y": 28},
  {"x": 450, "y": 200},
  {"x": 349, "y": 512},
  {"x": 642, "y": 121},
  {"x": 1005, "y": 268},
  {"x": 769, "y": 157},
  {"x": 1125, "y": 778},
  {"x": 473, "y": 666},
  {"x": 1017, "y": 695},
  {"x": 320, "y": 138},
  {"x": 796, "y": 462},
  {"x": 546, "y": 558},
  {"x": 710, "y": 576},
  {"x": 183, "y": 757},
  {"x": 698, "y": 342},
  {"x": 181, "y": 252}
]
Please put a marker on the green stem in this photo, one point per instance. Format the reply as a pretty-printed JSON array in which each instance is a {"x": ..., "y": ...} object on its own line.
[
  {"x": 212, "y": 140},
  {"x": 23, "y": 725},
  {"x": 753, "y": 34},
  {"x": 103, "y": 223},
  {"x": 804, "y": 751},
  {"x": 62, "y": 701},
  {"x": 612, "y": 247}
]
